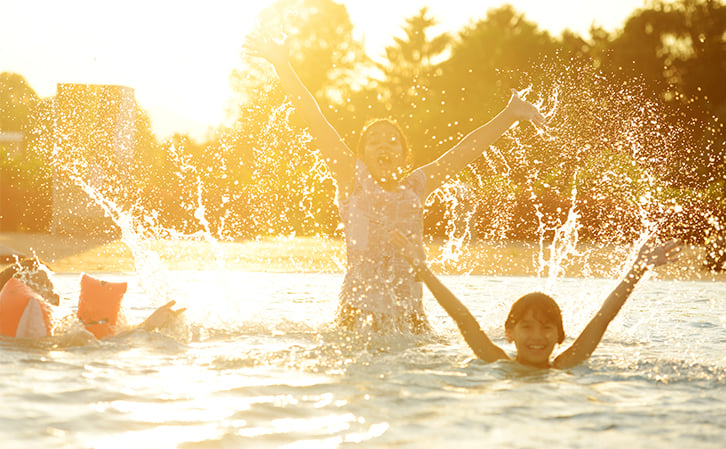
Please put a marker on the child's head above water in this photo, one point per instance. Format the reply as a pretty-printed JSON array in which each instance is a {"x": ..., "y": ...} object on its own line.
[
  {"x": 389, "y": 126},
  {"x": 545, "y": 310},
  {"x": 534, "y": 324},
  {"x": 384, "y": 150}
]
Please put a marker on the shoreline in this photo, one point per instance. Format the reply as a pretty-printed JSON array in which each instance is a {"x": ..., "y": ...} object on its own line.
[{"x": 69, "y": 254}]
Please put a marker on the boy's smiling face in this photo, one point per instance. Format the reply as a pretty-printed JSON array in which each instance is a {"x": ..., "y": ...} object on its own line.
[{"x": 535, "y": 339}]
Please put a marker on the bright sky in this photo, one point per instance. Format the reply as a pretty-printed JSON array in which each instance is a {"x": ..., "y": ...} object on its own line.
[{"x": 178, "y": 55}]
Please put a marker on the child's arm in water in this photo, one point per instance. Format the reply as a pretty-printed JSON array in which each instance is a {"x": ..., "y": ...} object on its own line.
[
  {"x": 648, "y": 256},
  {"x": 161, "y": 317},
  {"x": 339, "y": 158},
  {"x": 467, "y": 324},
  {"x": 473, "y": 144}
]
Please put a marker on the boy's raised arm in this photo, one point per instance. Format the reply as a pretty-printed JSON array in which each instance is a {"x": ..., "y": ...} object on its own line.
[
  {"x": 648, "y": 256},
  {"x": 339, "y": 158},
  {"x": 465, "y": 321}
]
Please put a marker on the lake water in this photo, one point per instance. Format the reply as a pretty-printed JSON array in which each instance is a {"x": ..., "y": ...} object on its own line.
[{"x": 258, "y": 364}]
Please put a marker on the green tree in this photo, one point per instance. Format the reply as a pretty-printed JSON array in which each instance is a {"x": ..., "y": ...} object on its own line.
[
  {"x": 281, "y": 187},
  {"x": 322, "y": 48},
  {"x": 678, "y": 51},
  {"x": 404, "y": 92},
  {"x": 488, "y": 58},
  {"x": 17, "y": 102}
]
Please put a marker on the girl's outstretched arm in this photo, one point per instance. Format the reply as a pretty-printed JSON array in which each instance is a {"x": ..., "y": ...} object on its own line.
[
  {"x": 648, "y": 256},
  {"x": 467, "y": 324},
  {"x": 339, "y": 158},
  {"x": 472, "y": 146}
]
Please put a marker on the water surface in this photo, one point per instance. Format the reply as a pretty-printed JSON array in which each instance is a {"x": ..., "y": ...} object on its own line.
[{"x": 258, "y": 364}]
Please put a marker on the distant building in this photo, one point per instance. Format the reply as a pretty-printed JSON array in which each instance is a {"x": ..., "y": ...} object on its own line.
[
  {"x": 13, "y": 143},
  {"x": 94, "y": 140}
]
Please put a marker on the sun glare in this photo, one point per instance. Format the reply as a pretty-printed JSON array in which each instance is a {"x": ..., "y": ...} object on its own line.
[{"x": 176, "y": 56}]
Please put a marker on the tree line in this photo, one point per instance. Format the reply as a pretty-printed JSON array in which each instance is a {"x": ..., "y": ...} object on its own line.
[{"x": 635, "y": 134}]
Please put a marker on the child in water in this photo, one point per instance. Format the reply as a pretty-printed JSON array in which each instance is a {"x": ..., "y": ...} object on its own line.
[
  {"x": 534, "y": 323},
  {"x": 375, "y": 196},
  {"x": 36, "y": 275}
]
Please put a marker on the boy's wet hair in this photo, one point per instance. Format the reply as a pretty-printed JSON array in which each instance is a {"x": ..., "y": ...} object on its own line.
[
  {"x": 543, "y": 306},
  {"x": 379, "y": 121}
]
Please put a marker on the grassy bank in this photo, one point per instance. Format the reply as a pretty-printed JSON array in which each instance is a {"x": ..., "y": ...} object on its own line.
[{"x": 304, "y": 254}]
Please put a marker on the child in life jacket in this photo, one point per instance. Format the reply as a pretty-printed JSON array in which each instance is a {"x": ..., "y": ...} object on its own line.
[{"x": 27, "y": 293}]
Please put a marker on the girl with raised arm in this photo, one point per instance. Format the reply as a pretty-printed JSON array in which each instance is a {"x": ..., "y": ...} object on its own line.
[
  {"x": 375, "y": 196},
  {"x": 534, "y": 323}
]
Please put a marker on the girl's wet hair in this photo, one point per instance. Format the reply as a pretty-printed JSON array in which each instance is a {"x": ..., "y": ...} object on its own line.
[
  {"x": 380, "y": 121},
  {"x": 544, "y": 307}
]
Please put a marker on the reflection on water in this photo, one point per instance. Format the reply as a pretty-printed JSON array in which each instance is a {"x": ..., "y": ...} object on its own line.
[{"x": 258, "y": 364}]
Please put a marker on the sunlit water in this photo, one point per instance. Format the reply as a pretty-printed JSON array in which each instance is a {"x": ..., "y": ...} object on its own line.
[{"x": 258, "y": 364}]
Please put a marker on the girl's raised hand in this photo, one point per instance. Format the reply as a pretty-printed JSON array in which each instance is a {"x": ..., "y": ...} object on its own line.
[
  {"x": 525, "y": 110},
  {"x": 258, "y": 43}
]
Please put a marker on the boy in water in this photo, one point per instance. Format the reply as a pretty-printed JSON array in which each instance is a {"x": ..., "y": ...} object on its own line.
[{"x": 534, "y": 323}]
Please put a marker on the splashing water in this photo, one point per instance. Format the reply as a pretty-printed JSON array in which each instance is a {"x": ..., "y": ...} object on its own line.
[
  {"x": 591, "y": 177},
  {"x": 598, "y": 175},
  {"x": 269, "y": 372},
  {"x": 563, "y": 246},
  {"x": 147, "y": 262},
  {"x": 142, "y": 228},
  {"x": 458, "y": 214}
]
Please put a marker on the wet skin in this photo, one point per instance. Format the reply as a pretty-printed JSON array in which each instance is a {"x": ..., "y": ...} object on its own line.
[{"x": 384, "y": 155}]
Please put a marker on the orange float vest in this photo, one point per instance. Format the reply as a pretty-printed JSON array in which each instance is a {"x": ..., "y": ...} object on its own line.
[
  {"x": 99, "y": 305},
  {"x": 23, "y": 312}
]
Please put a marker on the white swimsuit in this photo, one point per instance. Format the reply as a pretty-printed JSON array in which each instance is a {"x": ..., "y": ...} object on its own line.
[{"x": 378, "y": 281}]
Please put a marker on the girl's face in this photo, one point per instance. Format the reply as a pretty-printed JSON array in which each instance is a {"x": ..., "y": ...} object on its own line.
[
  {"x": 384, "y": 154},
  {"x": 534, "y": 338}
]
